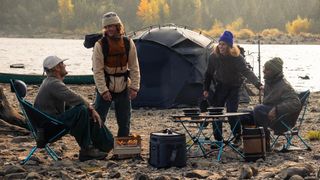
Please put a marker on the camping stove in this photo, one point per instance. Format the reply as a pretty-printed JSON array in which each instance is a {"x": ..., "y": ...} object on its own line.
[{"x": 127, "y": 146}]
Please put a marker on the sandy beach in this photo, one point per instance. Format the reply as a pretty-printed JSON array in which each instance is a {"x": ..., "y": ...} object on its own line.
[{"x": 278, "y": 165}]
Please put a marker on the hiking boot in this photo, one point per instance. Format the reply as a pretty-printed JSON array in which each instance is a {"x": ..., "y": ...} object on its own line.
[
  {"x": 91, "y": 153},
  {"x": 237, "y": 142}
]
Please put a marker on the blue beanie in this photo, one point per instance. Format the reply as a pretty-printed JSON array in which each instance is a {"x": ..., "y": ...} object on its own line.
[{"x": 227, "y": 37}]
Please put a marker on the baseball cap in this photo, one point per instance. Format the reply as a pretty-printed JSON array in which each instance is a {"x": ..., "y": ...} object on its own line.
[{"x": 51, "y": 61}]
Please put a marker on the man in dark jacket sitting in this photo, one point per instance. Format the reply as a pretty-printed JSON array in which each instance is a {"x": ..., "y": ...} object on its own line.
[{"x": 279, "y": 99}]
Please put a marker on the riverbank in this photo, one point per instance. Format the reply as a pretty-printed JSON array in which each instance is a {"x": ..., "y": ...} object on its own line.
[
  {"x": 280, "y": 39},
  {"x": 14, "y": 148}
]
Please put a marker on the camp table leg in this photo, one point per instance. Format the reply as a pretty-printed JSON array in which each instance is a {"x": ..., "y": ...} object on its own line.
[
  {"x": 196, "y": 138},
  {"x": 228, "y": 143}
]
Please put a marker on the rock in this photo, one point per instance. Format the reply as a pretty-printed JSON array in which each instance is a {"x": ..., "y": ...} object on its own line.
[
  {"x": 268, "y": 175},
  {"x": 65, "y": 175},
  {"x": 112, "y": 164},
  {"x": 289, "y": 172},
  {"x": 316, "y": 157},
  {"x": 162, "y": 178},
  {"x": 9, "y": 169},
  {"x": 16, "y": 176},
  {"x": 114, "y": 174},
  {"x": 33, "y": 175},
  {"x": 296, "y": 177},
  {"x": 214, "y": 177},
  {"x": 201, "y": 174},
  {"x": 254, "y": 170},
  {"x": 141, "y": 176},
  {"x": 311, "y": 178},
  {"x": 21, "y": 139},
  {"x": 96, "y": 174},
  {"x": 246, "y": 172}
]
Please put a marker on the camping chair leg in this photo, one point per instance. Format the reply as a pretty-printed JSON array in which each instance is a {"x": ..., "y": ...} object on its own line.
[
  {"x": 51, "y": 152},
  {"x": 274, "y": 141},
  {"x": 29, "y": 155},
  {"x": 307, "y": 146},
  {"x": 288, "y": 144}
]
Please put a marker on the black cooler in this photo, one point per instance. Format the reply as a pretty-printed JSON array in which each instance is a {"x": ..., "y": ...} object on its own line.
[{"x": 167, "y": 149}]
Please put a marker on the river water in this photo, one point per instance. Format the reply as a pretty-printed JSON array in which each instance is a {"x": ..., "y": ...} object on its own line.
[{"x": 299, "y": 60}]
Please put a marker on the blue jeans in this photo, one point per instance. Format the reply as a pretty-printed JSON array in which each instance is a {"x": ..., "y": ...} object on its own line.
[
  {"x": 229, "y": 96},
  {"x": 122, "y": 106}
]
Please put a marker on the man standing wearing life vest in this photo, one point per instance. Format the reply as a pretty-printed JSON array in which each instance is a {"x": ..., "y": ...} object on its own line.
[{"x": 116, "y": 72}]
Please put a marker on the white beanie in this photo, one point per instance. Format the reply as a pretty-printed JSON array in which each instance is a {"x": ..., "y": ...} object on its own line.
[{"x": 110, "y": 18}]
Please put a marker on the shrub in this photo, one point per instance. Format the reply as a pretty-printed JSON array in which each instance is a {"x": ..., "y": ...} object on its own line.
[
  {"x": 216, "y": 29},
  {"x": 274, "y": 32},
  {"x": 298, "y": 25},
  {"x": 244, "y": 34},
  {"x": 313, "y": 135}
]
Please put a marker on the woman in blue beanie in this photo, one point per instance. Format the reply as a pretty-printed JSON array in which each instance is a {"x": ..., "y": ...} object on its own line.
[{"x": 227, "y": 71}]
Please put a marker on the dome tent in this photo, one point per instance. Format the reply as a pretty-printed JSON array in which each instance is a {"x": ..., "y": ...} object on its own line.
[{"x": 172, "y": 61}]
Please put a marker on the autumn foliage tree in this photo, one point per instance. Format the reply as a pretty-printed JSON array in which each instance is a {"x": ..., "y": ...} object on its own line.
[
  {"x": 66, "y": 11},
  {"x": 151, "y": 12},
  {"x": 298, "y": 26}
]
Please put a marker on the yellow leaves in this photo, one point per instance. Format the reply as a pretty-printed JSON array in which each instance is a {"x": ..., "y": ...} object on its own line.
[
  {"x": 273, "y": 32},
  {"x": 65, "y": 7},
  {"x": 216, "y": 29},
  {"x": 149, "y": 10},
  {"x": 298, "y": 26},
  {"x": 235, "y": 25},
  {"x": 313, "y": 135}
]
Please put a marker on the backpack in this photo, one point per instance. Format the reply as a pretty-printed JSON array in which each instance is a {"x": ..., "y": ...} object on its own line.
[{"x": 91, "y": 39}]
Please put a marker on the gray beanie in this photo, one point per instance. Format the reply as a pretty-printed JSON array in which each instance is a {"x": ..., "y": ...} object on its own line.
[
  {"x": 275, "y": 65},
  {"x": 110, "y": 18}
]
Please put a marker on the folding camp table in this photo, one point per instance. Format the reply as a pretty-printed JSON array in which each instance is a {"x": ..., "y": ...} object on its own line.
[{"x": 199, "y": 139}]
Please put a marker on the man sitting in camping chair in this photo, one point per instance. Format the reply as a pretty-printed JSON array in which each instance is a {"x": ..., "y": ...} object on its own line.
[
  {"x": 280, "y": 101},
  {"x": 94, "y": 139}
]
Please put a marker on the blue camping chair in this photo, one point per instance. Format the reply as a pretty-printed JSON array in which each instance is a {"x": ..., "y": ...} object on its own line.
[
  {"x": 44, "y": 128},
  {"x": 295, "y": 130}
]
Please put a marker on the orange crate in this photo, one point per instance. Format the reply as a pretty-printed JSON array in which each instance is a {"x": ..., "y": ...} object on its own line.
[{"x": 127, "y": 145}]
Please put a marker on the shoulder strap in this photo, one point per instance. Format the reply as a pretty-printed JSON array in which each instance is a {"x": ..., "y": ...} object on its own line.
[
  {"x": 105, "y": 47},
  {"x": 126, "y": 45}
]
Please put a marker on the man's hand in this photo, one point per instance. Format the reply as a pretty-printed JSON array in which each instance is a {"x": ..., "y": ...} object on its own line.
[
  {"x": 132, "y": 93},
  {"x": 96, "y": 117},
  {"x": 107, "y": 96},
  {"x": 272, "y": 114},
  {"x": 205, "y": 94}
]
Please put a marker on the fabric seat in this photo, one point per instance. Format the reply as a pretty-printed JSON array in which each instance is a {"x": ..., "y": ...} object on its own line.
[
  {"x": 44, "y": 129},
  {"x": 293, "y": 130}
]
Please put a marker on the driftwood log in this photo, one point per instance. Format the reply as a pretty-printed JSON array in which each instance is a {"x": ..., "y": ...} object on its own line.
[{"x": 9, "y": 115}]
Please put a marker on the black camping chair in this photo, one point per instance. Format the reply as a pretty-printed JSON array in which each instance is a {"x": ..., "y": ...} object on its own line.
[
  {"x": 44, "y": 128},
  {"x": 295, "y": 130}
]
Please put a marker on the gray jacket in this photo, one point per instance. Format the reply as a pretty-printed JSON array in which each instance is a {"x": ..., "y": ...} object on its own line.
[{"x": 279, "y": 93}]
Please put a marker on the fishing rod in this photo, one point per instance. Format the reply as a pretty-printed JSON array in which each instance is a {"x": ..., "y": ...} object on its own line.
[{"x": 259, "y": 67}]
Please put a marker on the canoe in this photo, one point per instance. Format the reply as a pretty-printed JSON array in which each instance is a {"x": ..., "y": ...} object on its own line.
[{"x": 37, "y": 79}]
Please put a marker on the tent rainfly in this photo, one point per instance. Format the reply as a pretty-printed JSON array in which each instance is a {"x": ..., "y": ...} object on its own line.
[{"x": 172, "y": 61}]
